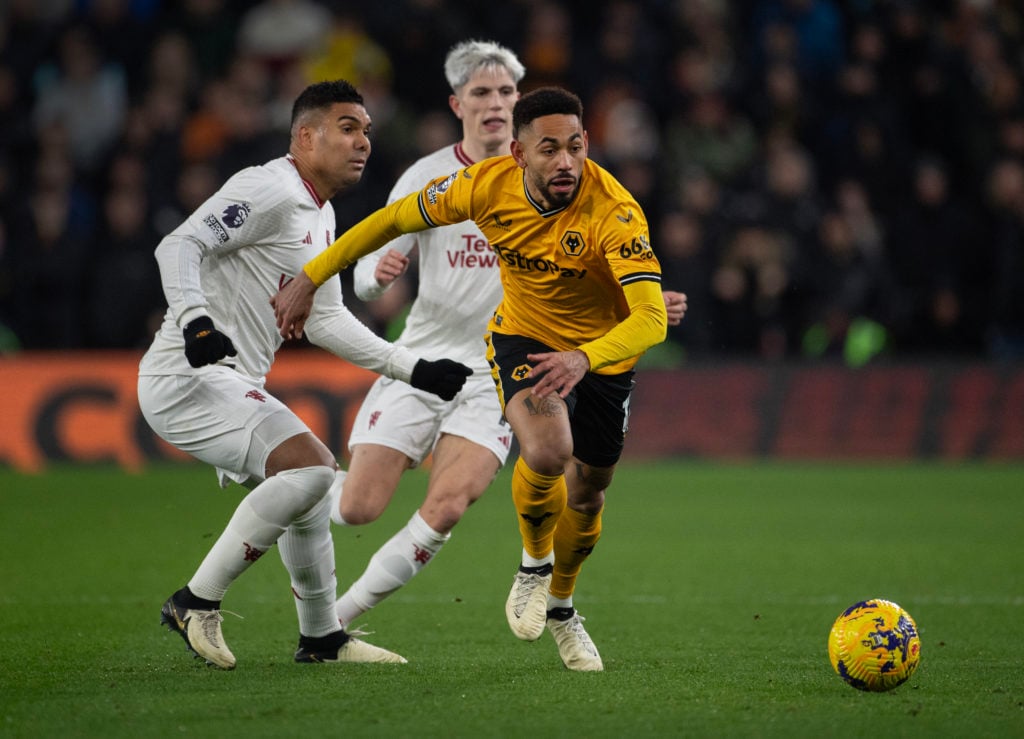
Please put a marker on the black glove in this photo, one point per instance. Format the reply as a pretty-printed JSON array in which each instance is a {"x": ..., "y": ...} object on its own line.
[
  {"x": 204, "y": 344},
  {"x": 442, "y": 377}
]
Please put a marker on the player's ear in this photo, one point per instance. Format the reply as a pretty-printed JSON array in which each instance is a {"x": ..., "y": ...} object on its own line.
[
  {"x": 304, "y": 137},
  {"x": 518, "y": 153},
  {"x": 455, "y": 105}
]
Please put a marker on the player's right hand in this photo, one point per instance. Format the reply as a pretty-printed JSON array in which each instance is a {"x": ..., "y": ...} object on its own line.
[
  {"x": 293, "y": 304},
  {"x": 442, "y": 377},
  {"x": 204, "y": 344},
  {"x": 559, "y": 372}
]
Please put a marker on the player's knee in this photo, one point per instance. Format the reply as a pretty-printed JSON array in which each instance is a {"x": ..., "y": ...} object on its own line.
[
  {"x": 449, "y": 511},
  {"x": 309, "y": 483},
  {"x": 589, "y": 504},
  {"x": 358, "y": 512},
  {"x": 545, "y": 459}
]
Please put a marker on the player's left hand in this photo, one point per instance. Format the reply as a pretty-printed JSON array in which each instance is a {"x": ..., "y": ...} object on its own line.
[
  {"x": 292, "y": 305},
  {"x": 204, "y": 344},
  {"x": 442, "y": 377},
  {"x": 558, "y": 372},
  {"x": 390, "y": 267},
  {"x": 675, "y": 306}
]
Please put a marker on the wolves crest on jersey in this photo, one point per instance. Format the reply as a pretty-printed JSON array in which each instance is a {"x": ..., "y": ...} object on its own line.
[{"x": 572, "y": 243}]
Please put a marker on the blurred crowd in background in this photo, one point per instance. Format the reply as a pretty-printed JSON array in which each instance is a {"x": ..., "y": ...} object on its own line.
[{"x": 823, "y": 178}]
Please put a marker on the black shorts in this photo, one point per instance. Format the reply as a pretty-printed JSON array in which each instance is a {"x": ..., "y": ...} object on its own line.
[{"x": 598, "y": 405}]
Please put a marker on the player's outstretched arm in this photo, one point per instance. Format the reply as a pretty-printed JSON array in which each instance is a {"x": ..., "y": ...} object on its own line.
[{"x": 294, "y": 301}]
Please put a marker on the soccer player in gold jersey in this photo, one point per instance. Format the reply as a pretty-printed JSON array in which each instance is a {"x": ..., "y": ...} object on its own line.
[{"x": 582, "y": 301}]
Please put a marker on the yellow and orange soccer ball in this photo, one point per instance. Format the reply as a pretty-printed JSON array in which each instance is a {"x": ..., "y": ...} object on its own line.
[{"x": 874, "y": 645}]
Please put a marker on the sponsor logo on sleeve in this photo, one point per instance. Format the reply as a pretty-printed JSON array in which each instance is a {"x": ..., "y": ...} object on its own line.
[
  {"x": 440, "y": 188},
  {"x": 218, "y": 230},
  {"x": 638, "y": 248}
]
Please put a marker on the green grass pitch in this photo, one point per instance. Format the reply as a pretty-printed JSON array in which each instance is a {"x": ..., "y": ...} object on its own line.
[{"x": 710, "y": 597}]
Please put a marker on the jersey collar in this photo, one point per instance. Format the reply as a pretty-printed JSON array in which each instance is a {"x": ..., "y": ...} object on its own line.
[
  {"x": 462, "y": 156},
  {"x": 306, "y": 183}
]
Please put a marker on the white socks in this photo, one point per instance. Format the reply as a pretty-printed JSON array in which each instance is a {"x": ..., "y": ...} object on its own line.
[
  {"x": 529, "y": 561},
  {"x": 391, "y": 567},
  {"x": 258, "y": 522},
  {"x": 307, "y": 551},
  {"x": 334, "y": 494},
  {"x": 554, "y": 602}
]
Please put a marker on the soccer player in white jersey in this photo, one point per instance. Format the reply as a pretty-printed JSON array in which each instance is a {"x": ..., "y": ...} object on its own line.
[
  {"x": 201, "y": 383},
  {"x": 398, "y": 426}
]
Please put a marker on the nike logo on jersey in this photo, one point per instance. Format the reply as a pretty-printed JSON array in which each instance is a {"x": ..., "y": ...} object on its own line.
[{"x": 503, "y": 225}]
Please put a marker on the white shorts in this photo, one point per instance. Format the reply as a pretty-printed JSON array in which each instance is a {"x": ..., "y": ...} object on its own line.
[
  {"x": 400, "y": 417},
  {"x": 219, "y": 417}
]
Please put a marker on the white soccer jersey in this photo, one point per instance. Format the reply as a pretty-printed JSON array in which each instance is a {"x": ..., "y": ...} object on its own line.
[
  {"x": 459, "y": 284},
  {"x": 233, "y": 253}
]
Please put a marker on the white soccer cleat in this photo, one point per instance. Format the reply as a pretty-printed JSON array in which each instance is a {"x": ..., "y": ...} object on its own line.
[
  {"x": 351, "y": 651},
  {"x": 201, "y": 631},
  {"x": 357, "y": 650},
  {"x": 575, "y": 647},
  {"x": 527, "y": 604}
]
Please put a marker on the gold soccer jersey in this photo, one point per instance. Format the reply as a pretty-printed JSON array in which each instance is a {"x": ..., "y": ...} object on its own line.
[
  {"x": 570, "y": 276},
  {"x": 563, "y": 271}
]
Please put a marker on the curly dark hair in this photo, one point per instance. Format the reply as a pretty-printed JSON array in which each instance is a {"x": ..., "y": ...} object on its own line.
[{"x": 544, "y": 101}]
